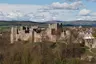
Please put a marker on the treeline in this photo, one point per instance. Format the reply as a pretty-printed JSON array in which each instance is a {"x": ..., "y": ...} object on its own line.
[{"x": 21, "y": 23}]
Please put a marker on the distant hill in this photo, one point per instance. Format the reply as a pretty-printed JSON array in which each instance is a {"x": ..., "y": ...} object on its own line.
[
  {"x": 65, "y": 23},
  {"x": 20, "y": 23},
  {"x": 54, "y": 21},
  {"x": 80, "y": 23}
]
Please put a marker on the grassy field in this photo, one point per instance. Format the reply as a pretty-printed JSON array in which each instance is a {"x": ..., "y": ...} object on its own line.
[{"x": 41, "y": 53}]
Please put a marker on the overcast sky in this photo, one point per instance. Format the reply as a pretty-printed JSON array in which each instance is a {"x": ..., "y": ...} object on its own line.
[{"x": 44, "y": 10}]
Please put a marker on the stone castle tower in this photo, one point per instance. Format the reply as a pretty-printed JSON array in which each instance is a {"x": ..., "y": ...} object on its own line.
[{"x": 54, "y": 31}]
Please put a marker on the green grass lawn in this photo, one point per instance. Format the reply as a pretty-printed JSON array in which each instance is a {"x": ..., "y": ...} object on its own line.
[{"x": 4, "y": 28}]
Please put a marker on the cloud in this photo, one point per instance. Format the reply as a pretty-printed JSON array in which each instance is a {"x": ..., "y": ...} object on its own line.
[
  {"x": 79, "y": 0},
  {"x": 54, "y": 11},
  {"x": 22, "y": 7},
  {"x": 92, "y": 0},
  {"x": 18, "y": 11},
  {"x": 93, "y": 14},
  {"x": 86, "y": 15},
  {"x": 86, "y": 18},
  {"x": 72, "y": 0},
  {"x": 72, "y": 6},
  {"x": 37, "y": 12},
  {"x": 84, "y": 12}
]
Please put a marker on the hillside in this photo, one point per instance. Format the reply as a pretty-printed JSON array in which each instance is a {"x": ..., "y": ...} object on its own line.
[
  {"x": 20, "y": 23},
  {"x": 65, "y": 23}
]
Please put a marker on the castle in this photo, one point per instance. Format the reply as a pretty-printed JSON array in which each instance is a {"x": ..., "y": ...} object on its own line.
[
  {"x": 36, "y": 34},
  {"x": 53, "y": 33}
]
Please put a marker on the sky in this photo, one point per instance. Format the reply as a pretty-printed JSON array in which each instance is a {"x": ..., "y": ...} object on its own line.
[{"x": 45, "y": 10}]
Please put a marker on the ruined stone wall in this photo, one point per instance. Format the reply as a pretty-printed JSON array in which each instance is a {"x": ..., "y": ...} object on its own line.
[
  {"x": 53, "y": 33},
  {"x": 13, "y": 34}
]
